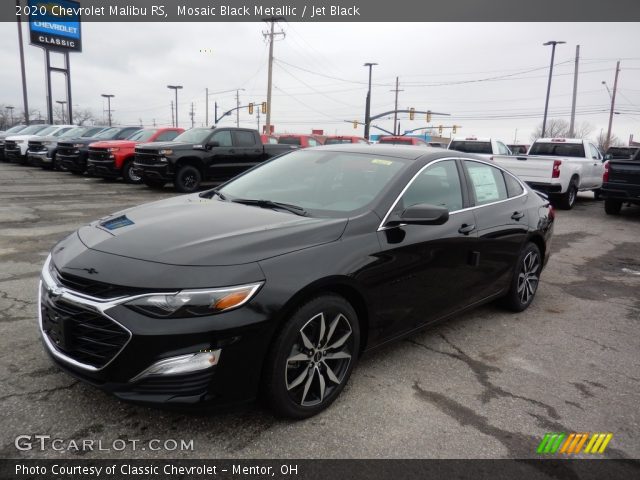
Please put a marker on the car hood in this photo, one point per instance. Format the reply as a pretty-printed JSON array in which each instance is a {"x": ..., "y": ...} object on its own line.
[
  {"x": 171, "y": 145},
  {"x": 114, "y": 144},
  {"x": 84, "y": 140},
  {"x": 23, "y": 137},
  {"x": 193, "y": 231}
]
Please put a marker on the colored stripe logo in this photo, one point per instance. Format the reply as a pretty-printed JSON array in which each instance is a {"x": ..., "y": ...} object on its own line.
[{"x": 573, "y": 443}]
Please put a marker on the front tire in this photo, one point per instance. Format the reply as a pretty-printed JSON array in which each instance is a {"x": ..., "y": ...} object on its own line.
[
  {"x": 187, "y": 179},
  {"x": 128, "y": 175},
  {"x": 612, "y": 207},
  {"x": 312, "y": 357},
  {"x": 524, "y": 284}
]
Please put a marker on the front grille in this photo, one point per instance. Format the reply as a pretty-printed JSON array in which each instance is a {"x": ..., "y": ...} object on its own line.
[
  {"x": 99, "y": 154},
  {"x": 67, "y": 149},
  {"x": 83, "y": 335},
  {"x": 147, "y": 157},
  {"x": 10, "y": 145},
  {"x": 36, "y": 146},
  {"x": 94, "y": 288},
  {"x": 179, "y": 385}
]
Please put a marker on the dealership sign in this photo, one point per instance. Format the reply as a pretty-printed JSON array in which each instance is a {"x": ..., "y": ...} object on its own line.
[{"x": 55, "y": 24}]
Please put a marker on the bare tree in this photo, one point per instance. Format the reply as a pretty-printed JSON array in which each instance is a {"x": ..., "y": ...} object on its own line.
[
  {"x": 601, "y": 141},
  {"x": 83, "y": 117},
  {"x": 558, "y": 127}
]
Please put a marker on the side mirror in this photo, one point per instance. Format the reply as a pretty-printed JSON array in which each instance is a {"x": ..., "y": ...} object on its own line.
[
  {"x": 421, "y": 214},
  {"x": 213, "y": 144},
  {"x": 607, "y": 157}
]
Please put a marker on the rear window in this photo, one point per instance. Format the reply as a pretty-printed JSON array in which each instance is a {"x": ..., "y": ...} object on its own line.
[
  {"x": 335, "y": 141},
  {"x": 396, "y": 141},
  {"x": 289, "y": 140},
  {"x": 621, "y": 152},
  {"x": 558, "y": 149},
  {"x": 471, "y": 146}
]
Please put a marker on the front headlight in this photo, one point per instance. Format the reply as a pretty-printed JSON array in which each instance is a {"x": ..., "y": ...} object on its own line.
[
  {"x": 113, "y": 149},
  {"x": 193, "y": 303},
  {"x": 165, "y": 152},
  {"x": 49, "y": 142},
  {"x": 78, "y": 145}
]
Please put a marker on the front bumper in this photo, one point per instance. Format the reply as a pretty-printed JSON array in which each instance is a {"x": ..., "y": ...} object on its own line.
[
  {"x": 14, "y": 155},
  {"x": 103, "y": 168},
  {"x": 76, "y": 162},
  {"x": 140, "y": 341},
  {"x": 160, "y": 170},
  {"x": 39, "y": 159},
  {"x": 546, "y": 187}
]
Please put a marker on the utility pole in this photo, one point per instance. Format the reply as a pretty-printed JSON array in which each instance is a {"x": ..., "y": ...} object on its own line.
[
  {"x": 395, "y": 110},
  {"x": 515, "y": 137},
  {"x": 25, "y": 100},
  {"x": 154, "y": 122},
  {"x": 206, "y": 108},
  {"x": 238, "y": 106},
  {"x": 175, "y": 88},
  {"x": 613, "y": 104},
  {"x": 553, "y": 44},
  {"x": 173, "y": 122},
  {"x": 258, "y": 117},
  {"x": 575, "y": 94},
  {"x": 367, "y": 108},
  {"x": 271, "y": 36},
  {"x": 192, "y": 115}
]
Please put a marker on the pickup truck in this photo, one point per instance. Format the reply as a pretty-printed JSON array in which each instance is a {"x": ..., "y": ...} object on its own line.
[
  {"x": 483, "y": 147},
  {"x": 621, "y": 183},
  {"x": 12, "y": 131},
  {"x": 42, "y": 150},
  {"x": 15, "y": 147},
  {"x": 202, "y": 154},
  {"x": 559, "y": 167},
  {"x": 114, "y": 158},
  {"x": 73, "y": 153}
]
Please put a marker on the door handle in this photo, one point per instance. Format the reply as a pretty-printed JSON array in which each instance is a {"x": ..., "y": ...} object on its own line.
[
  {"x": 517, "y": 215},
  {"x": 466, "y": 229}
]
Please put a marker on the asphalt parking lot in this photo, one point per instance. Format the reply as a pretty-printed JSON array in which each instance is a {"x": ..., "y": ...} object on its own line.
[{"x": 488, "y": 384}]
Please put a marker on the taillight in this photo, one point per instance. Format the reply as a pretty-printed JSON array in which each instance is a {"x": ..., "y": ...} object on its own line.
[
  {"x": 556, "y": 169},
  {"x": 605, "y": 175},
  {"x": 552, "y": 212}
]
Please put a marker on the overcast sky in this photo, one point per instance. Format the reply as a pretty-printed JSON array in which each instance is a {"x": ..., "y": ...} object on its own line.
[{"x": 491, "y": 78}]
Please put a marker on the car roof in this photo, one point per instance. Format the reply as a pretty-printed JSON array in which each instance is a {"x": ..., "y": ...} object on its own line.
[
  {"x": 559, "y": 140},
  {"x": 471, "y": 139},
  {"x": 406, "y": 152}
]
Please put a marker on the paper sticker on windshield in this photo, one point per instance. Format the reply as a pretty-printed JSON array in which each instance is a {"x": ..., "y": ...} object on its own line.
[
  {"x": 117, "y": 222},
  {"x": 379, "y": 161}
]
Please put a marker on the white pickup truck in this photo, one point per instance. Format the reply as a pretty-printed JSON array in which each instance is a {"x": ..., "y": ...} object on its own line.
[
  {"x": 483, "y": 147},
  {"x": 560, "y": 167}
]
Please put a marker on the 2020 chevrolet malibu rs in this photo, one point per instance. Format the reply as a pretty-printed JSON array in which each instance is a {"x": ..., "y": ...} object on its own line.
[{"x": 277, "y": 281}]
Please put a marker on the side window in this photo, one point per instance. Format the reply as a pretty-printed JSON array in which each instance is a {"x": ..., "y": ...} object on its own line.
[
  {"x": 595, "y": 154},
  {"x": 502, "y": 149},
  {"x": 313, "y": 142},
  {"x": 126, "y": 133},
  {"x": 244, "y": 139},
  {"x": 487, "y": 182},
  {"x": 513, "y": 186},
  {"x": 438, "y": 185},
  {"x": 223, "y": 138},
  {"x": 167, "y": 136}
]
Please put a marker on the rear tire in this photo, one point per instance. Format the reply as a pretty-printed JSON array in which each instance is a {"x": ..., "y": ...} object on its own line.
[
  {"x": 526, "y": 278},
  {"x": 567, "y": 200},
  {"x": 128, "y": 175},
  {"x": 312, "y": 357},
  {"x": 597, "y": 194},
  {"x": 612, "y": 207},
  {"x": 187, "y": 179},
  {"x": 154, "y": 183}
]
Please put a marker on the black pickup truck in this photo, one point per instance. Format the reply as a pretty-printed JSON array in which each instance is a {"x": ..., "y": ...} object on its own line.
[
  {"x": 202, "y": 154},
  {"x": 621, "y": 183},
  {"x": 72, "y": 154}
]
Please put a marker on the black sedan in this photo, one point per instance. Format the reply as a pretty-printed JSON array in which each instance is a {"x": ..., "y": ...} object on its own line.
[{"x": 276, "y": 282}]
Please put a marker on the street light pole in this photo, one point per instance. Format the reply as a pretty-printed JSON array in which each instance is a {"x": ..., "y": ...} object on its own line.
[
  {"x": 62, "y": 103},
  {"x": 553, "y": 44},
  {"x": 367, "y": 109},
  {"x": 108, "y": 97},
  {"x": 175, "y": 88}
]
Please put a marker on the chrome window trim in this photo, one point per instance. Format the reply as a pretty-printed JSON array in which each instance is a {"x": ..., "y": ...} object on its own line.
[{"x": 525, "y": 190}]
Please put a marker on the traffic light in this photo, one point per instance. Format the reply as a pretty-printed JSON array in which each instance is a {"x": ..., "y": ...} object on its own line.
[
  {"x": 428, "y": 117},
  {"x": 355, "y": 124},
  {"x": 440, "y": 129},
  {"x": 412, "y": 113},
  {"x": 264, "y": 107},
  {"x": 251, "y": 109},
  {"x": 454, "y": 129}
]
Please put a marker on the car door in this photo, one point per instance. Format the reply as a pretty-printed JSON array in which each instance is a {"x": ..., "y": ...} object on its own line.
[
  {"x": 426, "y": 270},
  {"x": 499, "y": 201},
  {"x": 597, "y": 166},
  {"x": 220, "y": 157},
  {"x": 247, "y": 149}
]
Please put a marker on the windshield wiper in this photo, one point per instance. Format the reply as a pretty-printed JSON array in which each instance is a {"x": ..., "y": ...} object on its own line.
[
  {"x": 270, "y": 204},
  {"x": 212, "y": 193}
]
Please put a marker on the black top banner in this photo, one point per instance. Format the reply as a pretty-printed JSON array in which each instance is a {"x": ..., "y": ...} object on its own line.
[{"x": 338, "y": 10}]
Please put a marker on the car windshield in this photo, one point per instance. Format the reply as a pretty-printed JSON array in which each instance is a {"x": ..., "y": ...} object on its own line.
[
  {"x": 109, "y": 133},
  {"x": 558, "y": 149},
  {"x": 470, "y": 146},
  {"x": 195, "y": 136},
  {"x": 621, "y": 152},
  {"x": 74, "y": 132},
  {"x": 142, "y": 135},
  {"x": 33, "y": 129},
  {"x": 289, "y": 140},
  {"x": 61, "y": 131},
  {"x": 324, "y": 183},
  {"x": 335, "y": 141},
  {"x": 15, "y": 129},
  {"x": 396, "y": 141},
  {"x": 48, "y": 131},
  {"x": 92, "y": 131}
]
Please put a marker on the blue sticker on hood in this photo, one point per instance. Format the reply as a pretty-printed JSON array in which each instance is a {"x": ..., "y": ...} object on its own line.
[{"x": 117, "y": 222}]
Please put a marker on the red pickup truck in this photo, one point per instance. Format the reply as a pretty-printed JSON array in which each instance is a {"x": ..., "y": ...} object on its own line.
[{"x": 114, "y": 158}]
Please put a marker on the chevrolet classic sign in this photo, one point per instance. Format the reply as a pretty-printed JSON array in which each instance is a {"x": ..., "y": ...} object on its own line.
[{"x": 55, "y": 24}]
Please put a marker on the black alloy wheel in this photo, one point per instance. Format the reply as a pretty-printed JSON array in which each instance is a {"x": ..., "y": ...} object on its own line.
[
  {"x": 187, "y": 179},
  {"x": 526, "y": 279},
  {"x": 312, "y": 358}
]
